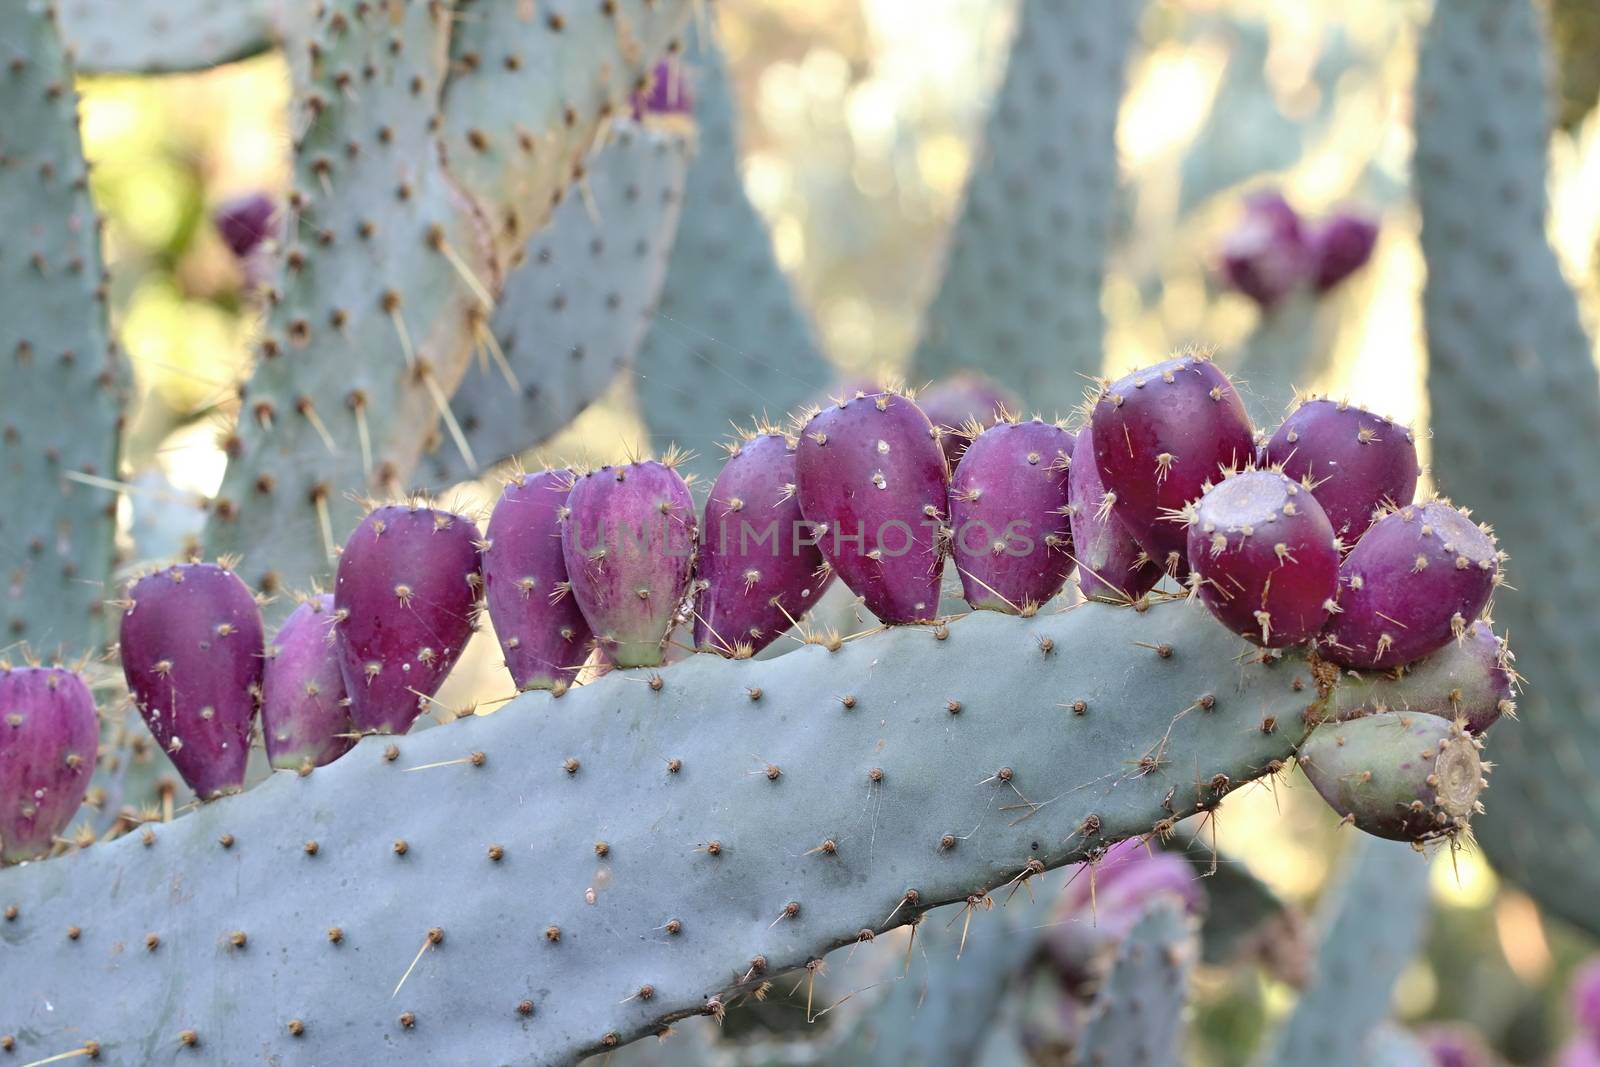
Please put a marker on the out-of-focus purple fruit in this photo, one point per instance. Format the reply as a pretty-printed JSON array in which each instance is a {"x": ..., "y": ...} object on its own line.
[
  {"x": 305, "y": 714},
  {"x": 1585, "y": 997},
  {"x": 962, "y": 403},
  {"x": 1415, "y": 581},
  {"x": 1266, "y": 558},
  {"x": 1111, "y": 565},
  {"x": 1353, "y": 461},
  {"x": 49, "y": 737},
  {"x": 668, "y": 93},
  {"x": 1266, "y": 255},
  {"x": 1456, "y": 1045},
  {"x": 192, "y": 654},
  {"x": 1010, "y": 533},
  {"x": 1400, "y": 775},
  {"x": 542, "y": 631},
  {"x": 1106, "y": 897},
  {"x": 757, "y": 572},
  {"x": 629, "y": 545},
  {"x": 1160, "y": 434},
  {"x": 871, "y": 474},
  {"x": 1341, "y": 244},
  {"x": 245, "y": 222},
  {"x": 406, "y": 597}
]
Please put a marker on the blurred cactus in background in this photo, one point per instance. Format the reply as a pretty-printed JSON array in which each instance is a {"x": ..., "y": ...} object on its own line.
[{"x": 956, "y": 465}]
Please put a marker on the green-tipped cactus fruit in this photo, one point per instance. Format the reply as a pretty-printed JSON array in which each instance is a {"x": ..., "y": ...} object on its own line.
[
  {"x": 871, "y": 475},
  {"x": 1400, "y": 775},
  {"x": 628, "y": 539},
  {"x": 541, "y": 629},
  {"x": 405, "y": 603},
  {"x": 61, "y": 402},
  {"x": 192, "y": 653},
  {"x": 49, "y": 735},
  {"x": 1473, "y": 675}
]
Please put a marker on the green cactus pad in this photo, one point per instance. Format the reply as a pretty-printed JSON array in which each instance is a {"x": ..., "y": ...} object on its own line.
[
  {"x": 156, "y": 36},
  {"x": 1137, "y": 1018},
  {"x": 729, "y": 338},
  {"x": 572, "y": 316},
  {"x": 1021, "y": 290},
  {"x": 1511, "y": 374},
  {"x": 61, "y": 403},
  {"x": 664, "y": 835}
]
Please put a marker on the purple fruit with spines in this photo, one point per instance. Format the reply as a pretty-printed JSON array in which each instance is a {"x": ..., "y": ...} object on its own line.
[
  {"x": 757, "y": 573},
  {"x": 542, "y": 631},
  {"x": 963, "y": 404},
  {"x": 1010, "y": 534},
  {"x": 1400, "y": 775},
  {"x": 405, "y": 604},
  {"x": 49, "y": 739},
  {"x": 871, "y": 474},
  {"x": 305, "y": 712},
  {"x": 1111, "y": 565},
  {"x": 192, "y": 653},
  {"x": 245, "y": 222},
  {"x": 1354, "y": 462},
  {"x": 1415, "y": 581},
  {"x": 1264, "y": 558},
  {"x": 1472, "y": 680},
  {"x": 629, "y": 540},
  {"x": 1160, "y": 435},
  {"x": 1340, "y": 245},
  {"x": 1266, "y": 255}
]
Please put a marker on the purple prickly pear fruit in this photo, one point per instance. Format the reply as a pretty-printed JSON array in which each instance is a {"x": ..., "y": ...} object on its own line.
[
  {"x": 1111, "y": 565},
  {"x": 405, "y": 599},
  {"x": 1160, "y": 434},
  {"x": 245, "y": 222},
  {"x": 1413, "y": 582},
  {"x": 668, "y": 93},
  {"x": 1585, "y": 999},
  {"x": 1340, "y": 245},
  {"x": 1456, "y": 1045},
  {"x": 192, "y": 654},
  {"x": 49, "y": 738},
  {"x": 1265, "y": 256},
  {"x": 1582, "y": 1051},
  {"x": 1354, "y": 462},
  {"x": 871, "y": 473},
  {"x": 305, "y": 713},
  {"x": 542, "y": 631},
  {"x": 1394, "y": 774},
  {"x": 1010, "y": 532},
  {"x": 1471, "y": 680},
  {"x": 758, "y": 572},
  {"x": 961, "y": 404},
  {"x": 629, "y": 545},
  {"x": 1265, "y": 557},
  {"x": 1106, "y": 898}
]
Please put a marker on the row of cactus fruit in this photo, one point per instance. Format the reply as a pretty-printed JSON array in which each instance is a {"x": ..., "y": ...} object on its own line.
[{"x": 1251, "y": 598}]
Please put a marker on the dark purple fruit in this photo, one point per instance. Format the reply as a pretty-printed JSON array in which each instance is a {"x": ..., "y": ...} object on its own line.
[
  {"x": 305, "y": 714},
  {"x": 1111, "y": 565},
  {"x": 962, "y": 403},
  {"x": 1354, "y": 462},
  {"x": 49, "y": 737}
]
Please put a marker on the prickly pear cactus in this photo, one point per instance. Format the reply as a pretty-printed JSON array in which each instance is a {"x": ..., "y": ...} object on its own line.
[
  {"x": 669, "y": 868},
  {"x": 1509, "y": 361},
  {"x": 1370, "y": 925},
  {"x": 1138, "y": 1015},
  {"x": 153, "y": 36},
  {"x": 729, "y": 337},
  {"x": 61, "y": 404},
  {"x": 573, "y": 314},
  {"x": 1021, "y": 286}
]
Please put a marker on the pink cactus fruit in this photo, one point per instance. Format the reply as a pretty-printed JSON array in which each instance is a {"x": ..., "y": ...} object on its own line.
[{"x": 49, "y": 738}]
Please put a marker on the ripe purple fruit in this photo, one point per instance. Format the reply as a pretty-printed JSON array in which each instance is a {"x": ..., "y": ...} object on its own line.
[
  {"x": 1403, "y": 776},
  {"x": 49, "y": 737},
  {"x": 244, "y": 222},
  {"x": 192, "y": 654},
  {"x": 1111, "y": 565},
  {"x": 1160, "y": 434},
  {"x": 1265, "y": 558},
  {"x": 305, "y": 714},
  {"x": 870, "y": 471},
  {"x": 758, "y": 572},
  {"x": 1010, "y": 534},
  {"x": 406, "y": 599},
  {"x": 1354, "y": 462},
  {"x": 629, "y": 545},
  {"x": 1413, "y": 582},
  {"x": 1266, "y": 256},
  {"x": 962, "y": 403},
  {"x": 1340, "y": 245},
  {"x": 542, "y": 631}
]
